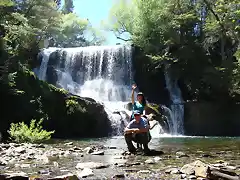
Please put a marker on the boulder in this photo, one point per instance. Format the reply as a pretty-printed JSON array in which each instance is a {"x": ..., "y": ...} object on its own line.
[{"x": 197, "y": 168}]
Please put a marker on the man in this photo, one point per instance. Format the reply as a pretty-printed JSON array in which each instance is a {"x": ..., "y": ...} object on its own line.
[{"x": 138, "y": 131}]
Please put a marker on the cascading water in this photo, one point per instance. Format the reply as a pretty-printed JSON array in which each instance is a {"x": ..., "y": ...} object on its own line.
[
  {"x": 177, "y": 108},
  {"x": 103, "y": 73}
]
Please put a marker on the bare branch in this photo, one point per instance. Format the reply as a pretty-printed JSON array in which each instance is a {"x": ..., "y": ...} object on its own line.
[
  {"x": 215, "y": 15},
  {"x": 118, "y": 37}
]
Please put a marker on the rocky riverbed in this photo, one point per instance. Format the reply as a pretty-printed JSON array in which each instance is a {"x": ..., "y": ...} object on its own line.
[{"x": 101, "y": 160}]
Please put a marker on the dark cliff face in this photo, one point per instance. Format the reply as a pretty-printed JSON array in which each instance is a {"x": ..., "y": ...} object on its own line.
[
  {"x": 212, "y": 119},
  {"x": 149, "y": 79}
]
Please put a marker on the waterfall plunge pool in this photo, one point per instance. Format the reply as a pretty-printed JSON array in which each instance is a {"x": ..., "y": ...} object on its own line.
[{"x": 64, "y": 155}]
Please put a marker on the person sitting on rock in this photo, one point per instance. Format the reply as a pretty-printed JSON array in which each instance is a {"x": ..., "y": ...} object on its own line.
[{"x": 138, "y": 131}]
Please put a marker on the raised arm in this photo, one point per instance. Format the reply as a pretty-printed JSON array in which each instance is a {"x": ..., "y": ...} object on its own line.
[{"x": 134, "y": 86}]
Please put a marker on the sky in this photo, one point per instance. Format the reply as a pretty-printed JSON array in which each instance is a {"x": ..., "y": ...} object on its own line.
[{"x": 96, "y": 11}]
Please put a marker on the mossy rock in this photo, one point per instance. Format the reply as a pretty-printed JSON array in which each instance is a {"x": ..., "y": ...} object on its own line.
[{"x": 69, "y": 115}]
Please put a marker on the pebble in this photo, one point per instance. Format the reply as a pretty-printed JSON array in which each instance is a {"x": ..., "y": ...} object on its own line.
[
  {"x": 192, "y": 177},
  {"x": 86, "y": 172},
  {"x": 150, "y": 161},
  {"x": 98, "y": 153}
]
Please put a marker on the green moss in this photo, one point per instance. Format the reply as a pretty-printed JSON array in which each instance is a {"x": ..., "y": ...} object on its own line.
[
  {"x": 60, "y": 90},
  {"x": 73, "y": 106},
  {"x": 154, "y": 107}
]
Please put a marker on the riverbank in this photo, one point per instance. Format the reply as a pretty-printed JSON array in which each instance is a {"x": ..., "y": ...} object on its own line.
[{"x": 107, "y": 158}]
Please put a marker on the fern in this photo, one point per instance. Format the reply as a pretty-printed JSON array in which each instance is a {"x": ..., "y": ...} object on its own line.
[{"x": 20, "y": 132}]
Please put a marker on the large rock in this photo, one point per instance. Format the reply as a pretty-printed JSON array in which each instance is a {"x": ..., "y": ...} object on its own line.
[
  {"x": 69, "y": 115},
  {"x": 197, "y": 168}
]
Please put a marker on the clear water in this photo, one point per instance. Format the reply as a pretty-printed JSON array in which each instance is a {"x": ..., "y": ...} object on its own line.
[{"x": 219, "y": 148}]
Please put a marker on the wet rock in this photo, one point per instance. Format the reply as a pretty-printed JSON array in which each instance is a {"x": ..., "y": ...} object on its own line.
[
  {"x": 131, "y": 170},
  {"x": 122, "y": 165},
  {"x": 183, "y": 176},
  {"x": 144, "y": 172},
  {"x": 3, "y": 162},
  {"x": 68, "y": 144},
  {"x": 220, "y": 161},
  {"x": 119, "y": 157},
  {"x": 181, "y": 154},
  {"x": 192, "y": 177},
  {"x": 88, "y": 150},
  {"x": 172, "y": 171},
  {"x": 231, "y": 167},
  {"x": 207, "y": 156},
  {"x": 150, "y": 161},
  {"x": 5, "y": 146},
  {"x": 77, "y": 148},
  {"x": 156, "y": 159},
  {"x": 197, "y": 168},
  {"x": 218, "y": 173},
  {"x": 38, "y": 146},
  {"x": 86, "y": 172},
  {"x": 133, "y": 163},
  {"x": 43, "y": 159},
  {"x": 175, "y": 171},
  {"x": 98, "y": 153},
  {"x": 125, "y": 153},
  {"x": 112, "y": 147},
  {"x": 64, "y": 177},
  {"x": 91, "y": 165},
  {"x": 16, "y": 176},
  {"x": 168, "y": 156},
  {"x": 218, "y": 165},
  {"x": 55, "y": 164},
  {"x": 23, "y": 165},
  {"x": 118, "y": 176},
  {"x": 44, "y": 172},
  {"x": 14, "y": 145},
  {"x": 66, "y": 153},
  {"x": 20, "y": 149}
]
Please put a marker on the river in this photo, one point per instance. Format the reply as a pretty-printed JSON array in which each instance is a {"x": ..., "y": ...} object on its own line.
[{"x": 64, "y": 156}]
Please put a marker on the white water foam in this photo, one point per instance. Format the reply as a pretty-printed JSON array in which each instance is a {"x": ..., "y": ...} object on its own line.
[
  {"x": 177, "y": 107},
  {"x": 103, "y": 73}
]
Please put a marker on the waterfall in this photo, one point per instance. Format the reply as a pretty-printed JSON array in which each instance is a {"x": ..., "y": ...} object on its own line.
[
  {"x": 103, "y": 73},
  {"x": 177, "y": 108}
]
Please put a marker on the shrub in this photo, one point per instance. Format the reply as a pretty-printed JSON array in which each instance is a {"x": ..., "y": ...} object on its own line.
[{"x": 20, "y": 132}]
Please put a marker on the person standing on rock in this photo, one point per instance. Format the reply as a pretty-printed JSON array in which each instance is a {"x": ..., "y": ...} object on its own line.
[
  {"x": 138, "y": 131},
  {"x": 140, "y": 104}
]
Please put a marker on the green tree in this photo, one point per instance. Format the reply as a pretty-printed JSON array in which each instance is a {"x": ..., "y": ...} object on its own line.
[
  {"x": 198, "y": 39},
  {"x": 68, "y": 6}
]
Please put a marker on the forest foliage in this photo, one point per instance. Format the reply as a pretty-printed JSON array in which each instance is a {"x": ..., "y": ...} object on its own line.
[
  {"x": 198, "y": 39},
  {"x": 27, "y": 26}
]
